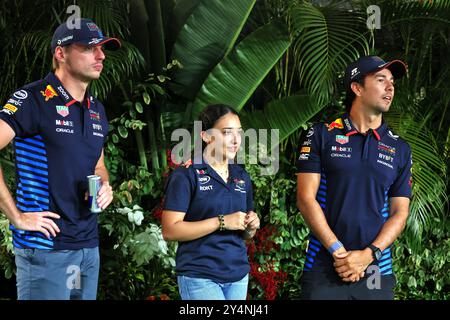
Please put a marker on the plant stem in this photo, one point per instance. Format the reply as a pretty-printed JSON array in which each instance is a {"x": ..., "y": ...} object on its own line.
[{"x": 141, "y": 149}]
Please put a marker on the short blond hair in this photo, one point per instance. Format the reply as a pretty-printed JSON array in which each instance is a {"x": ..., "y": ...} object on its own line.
[{"x": 55, "y": 63}]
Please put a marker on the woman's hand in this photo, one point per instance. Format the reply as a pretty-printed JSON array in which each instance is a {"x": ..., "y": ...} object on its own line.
[{"x": 235, "y": 221}]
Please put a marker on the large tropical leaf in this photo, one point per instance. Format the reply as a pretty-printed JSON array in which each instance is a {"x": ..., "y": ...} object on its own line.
[
  {"x": 235, "y": 78},
  {"x": 327, "y": 40},
  {"x": 429, "y": 173},
  {"x": 180, "y": 13},
  {"x": 287, "y": 115},
  {"x": 208, "y": 34}
]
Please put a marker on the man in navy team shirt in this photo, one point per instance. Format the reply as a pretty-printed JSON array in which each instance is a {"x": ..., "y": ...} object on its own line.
[
  {"x": 58, "y": 130},
  {"x": 354, "y": 189}
]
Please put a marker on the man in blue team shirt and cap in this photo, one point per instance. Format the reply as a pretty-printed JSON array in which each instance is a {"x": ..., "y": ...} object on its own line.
[
  {"x": 58, "y": 131},
  {"x": 354, "y": 189}
]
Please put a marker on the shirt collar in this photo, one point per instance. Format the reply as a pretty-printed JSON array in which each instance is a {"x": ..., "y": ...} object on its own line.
[
  {"x": 201, "y": 164},
  {"x": 350, "y": 129},
  {"x": 62, "y": 93}
]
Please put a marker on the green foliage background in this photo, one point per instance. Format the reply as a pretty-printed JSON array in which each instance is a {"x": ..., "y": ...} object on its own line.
[{"x": 277, "y": 61}]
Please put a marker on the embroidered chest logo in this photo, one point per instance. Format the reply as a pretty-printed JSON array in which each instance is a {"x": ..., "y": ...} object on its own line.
[
  {"x": 386, "y": 148},
  {"x": 62, "y": 110},
  {"x": 239, "y": 185},
  {"x": 94, "y": 115},
  {"x": 341, "y": 139},
  {"x": 49, "y": 93},
  {"x": 386, "y": 155},
  {"x": 341, "y": 152},
  {"x": 204, "y": 180}
]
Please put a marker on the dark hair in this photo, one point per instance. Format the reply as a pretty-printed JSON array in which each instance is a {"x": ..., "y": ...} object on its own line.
[
  {"x": 211, "y": 114},
  {"x": 350, "y": 95}
]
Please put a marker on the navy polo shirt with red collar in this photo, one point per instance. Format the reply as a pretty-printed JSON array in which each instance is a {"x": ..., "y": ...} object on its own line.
[
  {"x": 359, "y": 174},
  {"x": 58, "y": 142},
  {"x": 202, "y": 194}
]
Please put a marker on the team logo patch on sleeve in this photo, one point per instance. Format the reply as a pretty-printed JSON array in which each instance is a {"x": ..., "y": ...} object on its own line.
[
  {"x": 10, "y": 107},
  {"x": 49, "y": 93},
  {"x": 305, "y": 149},
  {"x": 21, "y": 94},
  {"x": 310, "y": 132}
]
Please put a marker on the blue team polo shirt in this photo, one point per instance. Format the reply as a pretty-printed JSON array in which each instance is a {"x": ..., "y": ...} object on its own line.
[
  {"x": 57, "y": 145},
  {"x": 359, "y": 173},
  {"x": 201, "y": 193}
]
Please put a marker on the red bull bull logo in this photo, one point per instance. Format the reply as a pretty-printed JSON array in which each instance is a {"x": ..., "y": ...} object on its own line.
[
  {"x": 49, "y": 93},
  {"x": 335, "y": 124}
]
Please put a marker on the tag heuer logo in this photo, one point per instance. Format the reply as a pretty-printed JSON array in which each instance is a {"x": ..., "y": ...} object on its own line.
[
  {"x": 341, "y": 139},
  {"x": 62, "y": 110}
]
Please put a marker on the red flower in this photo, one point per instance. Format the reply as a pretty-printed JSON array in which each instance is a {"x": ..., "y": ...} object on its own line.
[
  {"x": 164, "y": 297},
  {"x": 265, "y": 274}
]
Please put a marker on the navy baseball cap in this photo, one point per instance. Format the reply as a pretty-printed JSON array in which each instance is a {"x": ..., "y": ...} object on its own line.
[
  {"x": 88, "y": 34},
  {"x": 370, "y": 64}
]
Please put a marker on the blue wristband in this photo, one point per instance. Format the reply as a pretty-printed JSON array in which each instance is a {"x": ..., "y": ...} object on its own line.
[{"x": 334, "y": 247}]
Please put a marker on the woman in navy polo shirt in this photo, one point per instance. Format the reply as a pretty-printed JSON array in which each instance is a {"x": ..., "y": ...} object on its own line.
[{"x": 208, "y": 208}]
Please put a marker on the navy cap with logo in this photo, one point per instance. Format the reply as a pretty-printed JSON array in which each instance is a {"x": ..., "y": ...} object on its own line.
[
  {"x": 370, "y": 64},
  {"x": 88, "y": 34}
]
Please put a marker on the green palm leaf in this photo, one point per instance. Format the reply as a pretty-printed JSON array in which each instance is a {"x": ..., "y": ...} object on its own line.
[
  {"x": 180, "y": 13},
  {"x": 235, "y": 78},
  {"x": 287, "y": 115},
  {"x": 327, "y": 39},
  {"x": 210, "y": 32},
  {"x": 429, "y": 174},
  {"x": 108, "y": 16}
]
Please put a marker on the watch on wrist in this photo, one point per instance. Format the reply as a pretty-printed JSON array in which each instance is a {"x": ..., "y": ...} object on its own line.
[{"x": 376, "y": 252}]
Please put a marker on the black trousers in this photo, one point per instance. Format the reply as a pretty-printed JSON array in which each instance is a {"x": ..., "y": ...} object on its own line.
[{"x": 329, "y": 286}]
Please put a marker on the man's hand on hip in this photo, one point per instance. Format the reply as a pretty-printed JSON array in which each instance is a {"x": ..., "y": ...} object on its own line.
[{"x": 37, "y": 221}]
